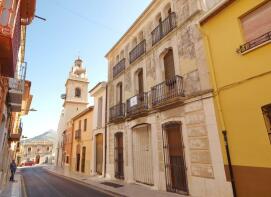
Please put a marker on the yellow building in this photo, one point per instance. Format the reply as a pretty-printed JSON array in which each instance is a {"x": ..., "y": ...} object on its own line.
[
  {"x": 237, "y": 36},
  {"x": 82, "y": 142}
]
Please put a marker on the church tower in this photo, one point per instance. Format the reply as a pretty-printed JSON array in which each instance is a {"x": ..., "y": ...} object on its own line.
[
  {"x": 75, "y": 101},
  {"x": 76, "y": 96}
]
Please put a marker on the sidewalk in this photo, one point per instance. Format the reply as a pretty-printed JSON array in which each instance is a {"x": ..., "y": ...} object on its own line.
[
  {"x": 13, "y": 189},
  {"x": 128, "y": 190}
]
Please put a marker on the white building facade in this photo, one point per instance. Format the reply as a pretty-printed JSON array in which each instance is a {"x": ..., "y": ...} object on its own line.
[
  {"x": 99, "y": 128},
  {"x": 75, "y": 101},
  {"x": 162, "y": 129}
]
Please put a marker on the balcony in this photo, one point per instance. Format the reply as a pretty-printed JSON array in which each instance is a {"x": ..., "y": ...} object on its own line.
[
  {"x": 117, "y": 112},
  {"x": 137, "y": 104},
  {"x": 164, "y": 28},
  {"x": 139, "y": 50},
  {"x": 14, "y": 137},
  {"x": 16, "y": 90},
  {"x": 77, "y": 134},
  {"x": 265, "y": 38},
  {"x": 10, "y": 35},
  {"x": 27, "y": 11},
  {"x": 168, "y": 92},
  {"x": 119, "y": 67}
]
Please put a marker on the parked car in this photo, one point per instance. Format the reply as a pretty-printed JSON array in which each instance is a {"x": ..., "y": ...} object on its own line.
[{"x": 29, "y": 163}]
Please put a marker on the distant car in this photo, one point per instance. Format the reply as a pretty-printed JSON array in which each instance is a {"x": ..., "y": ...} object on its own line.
[{"x": 29, "y": 163}]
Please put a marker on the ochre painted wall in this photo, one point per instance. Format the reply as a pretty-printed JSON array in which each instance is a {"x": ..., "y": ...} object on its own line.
[
  {"x": 85, "y": 141},
  {"x": 243, "y": 84},
  {"x": 241, "y": 102}
]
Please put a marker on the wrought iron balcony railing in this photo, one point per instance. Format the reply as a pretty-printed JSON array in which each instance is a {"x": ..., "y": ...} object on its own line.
[
  {"x": 139, "y": 50},
  {"x": 119, "y": 67},
  {"x": 164, "y": 28},
  {"x": 255, "y": 42},
  {"x": 117, "y": 112},
  {"x": 167, "y": 90},
  {"x": 78, "y": 134},
  {"x": 137, "y": 104}
]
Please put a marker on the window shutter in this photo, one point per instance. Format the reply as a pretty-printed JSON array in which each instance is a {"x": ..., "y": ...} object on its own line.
[{"x": 257, "y": 22}]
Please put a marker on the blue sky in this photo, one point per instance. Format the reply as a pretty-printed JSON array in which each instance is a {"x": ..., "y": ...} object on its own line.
[{"x": 89, "y": 29}]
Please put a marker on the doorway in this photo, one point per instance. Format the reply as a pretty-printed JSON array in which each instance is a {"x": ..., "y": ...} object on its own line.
[
  {"x": 83, "y": 159},
  {"x": 142, "y": 154},
  {"x": 99, "y": 153},
  {"x": 119, "y": 156},
  {"x": 176, "y": 179},
  {"x": 77, "y": 162},
  {"x": 37, "y": 159}
]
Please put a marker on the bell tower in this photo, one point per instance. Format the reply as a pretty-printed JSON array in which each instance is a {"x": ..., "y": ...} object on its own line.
[
  {"x": 76, "y": 87},
  {"x": 75, "y": 100}
]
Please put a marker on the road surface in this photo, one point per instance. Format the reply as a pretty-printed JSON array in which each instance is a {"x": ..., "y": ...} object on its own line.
[{"x": 40, "y": 183}]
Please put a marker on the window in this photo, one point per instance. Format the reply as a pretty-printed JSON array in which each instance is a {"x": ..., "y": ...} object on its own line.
[
  {"x": 77, "y": 92},
  {"x": 257, "y": 22},
  {"x": 100, "y": 114},
  {"x": 85, "y": 124},
  {"x": 267, "y": 118},
  {"x": 29, "y": 149},
  {"x": 79, "y": 126}
]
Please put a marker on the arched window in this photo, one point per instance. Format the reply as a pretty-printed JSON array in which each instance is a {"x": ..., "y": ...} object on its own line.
[
  {"x": 139, "y": 83},
  {"x": 77, "y": 92}
]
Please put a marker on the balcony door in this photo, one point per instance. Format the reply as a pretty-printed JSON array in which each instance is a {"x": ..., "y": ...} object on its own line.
[
  {"x": 170, "y": 80},
  {"x": 119, "y": 93},
  {"x": 169, "y": 65},
  {"x": 140, "y": 81}
]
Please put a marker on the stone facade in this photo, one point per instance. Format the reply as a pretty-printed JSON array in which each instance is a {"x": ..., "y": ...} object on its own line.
[
  {"x": 40, "y": 152},
  {"x": 184, "y": 102}
]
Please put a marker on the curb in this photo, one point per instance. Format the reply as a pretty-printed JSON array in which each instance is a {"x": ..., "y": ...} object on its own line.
[
  {"x": 23, "y": 188},
  {"x": 106, "y": 191}
]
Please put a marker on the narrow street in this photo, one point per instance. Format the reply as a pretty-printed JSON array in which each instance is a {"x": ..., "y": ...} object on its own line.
[{"x": 40, "y": 183}]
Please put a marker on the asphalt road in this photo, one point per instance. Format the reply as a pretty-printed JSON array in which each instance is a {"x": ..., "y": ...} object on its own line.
[{"x": 40, "y": 183}]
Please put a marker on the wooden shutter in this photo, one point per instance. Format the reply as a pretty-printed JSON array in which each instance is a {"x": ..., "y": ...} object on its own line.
[
  {"x": 257, "y": 22},
  {"x": 100, "y": 109},
  {"x": 169, "y": 65},
  {"x": 140, "y": 81}
]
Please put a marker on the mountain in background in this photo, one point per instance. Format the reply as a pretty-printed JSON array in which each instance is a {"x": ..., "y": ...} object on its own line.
[{"x": 50, "y": 135}]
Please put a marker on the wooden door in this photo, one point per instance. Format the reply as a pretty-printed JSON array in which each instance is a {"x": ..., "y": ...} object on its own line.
[
  {"x": 119, "y": 164},
  {"x": 99, "y": 153},
  {"x": 77, "y": 162},
  {"x": 83, "y": 162},
  {"x": 140, "y": 82},
  {"x": 169, "y": 65},
  {"x": 174, "y": 159}
]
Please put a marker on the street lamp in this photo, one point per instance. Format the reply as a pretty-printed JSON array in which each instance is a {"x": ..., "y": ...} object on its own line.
[{"x": 32, "y": 109}]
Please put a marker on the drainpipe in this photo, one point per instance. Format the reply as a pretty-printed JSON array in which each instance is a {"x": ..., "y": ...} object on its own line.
[
  {"x": 105, "y": 131},
  {"x": 220, "y": 114}
]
